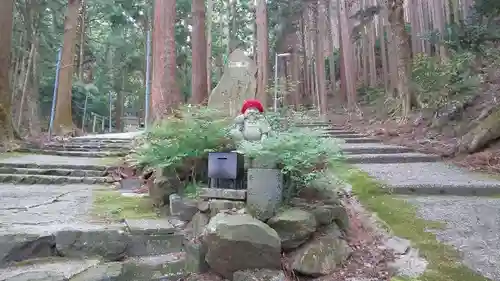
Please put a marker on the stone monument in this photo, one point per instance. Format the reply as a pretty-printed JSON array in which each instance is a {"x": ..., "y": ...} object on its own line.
[{"x": 237, "y": 84}]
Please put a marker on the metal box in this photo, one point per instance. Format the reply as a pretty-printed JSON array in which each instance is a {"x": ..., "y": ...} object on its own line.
[{"x": 226, "y": 165}]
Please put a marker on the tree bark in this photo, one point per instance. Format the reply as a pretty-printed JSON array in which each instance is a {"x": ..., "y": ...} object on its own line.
[
  {"x": 210, "y": 7},
  {"x": 263, "y": 51},
  {"x": 199, "y": 54},
  {"x": 6, "y": 22},
  {"x": 402, "y": 54},
  {"x": 320, "y": 57},
  {"x": 63, "y": 121},
  {"x": 165, "y": 94}
]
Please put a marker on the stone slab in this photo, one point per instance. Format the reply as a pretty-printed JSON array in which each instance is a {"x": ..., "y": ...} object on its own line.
[
  {"x": 373, "y": 148},
  {"x": 264, "y": 192},
  {"x": 52, "y": 172},
  {"x": 147, "y": 245},
  {"x": 48, "y": 270},
  {"x": 55, "y": 180},
  {"x": 218, "y": 193},
  {"x": 219, "y": 205},
  {"x": 149, "y": 226},
  {"x": 391, "y": 158},
  {"x": 431, "y": 178},
  {"x": 52, "y": 160}
]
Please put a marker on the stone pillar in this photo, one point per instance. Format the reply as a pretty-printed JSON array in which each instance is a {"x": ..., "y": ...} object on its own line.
[{"x": 264, "y": 192}]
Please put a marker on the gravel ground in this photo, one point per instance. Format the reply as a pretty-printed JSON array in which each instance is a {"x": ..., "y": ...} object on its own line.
[{"x": 473, "y": 227}]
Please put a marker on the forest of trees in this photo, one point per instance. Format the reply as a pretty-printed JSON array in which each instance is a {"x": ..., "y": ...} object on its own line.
[{"x": 338, "y": 49}]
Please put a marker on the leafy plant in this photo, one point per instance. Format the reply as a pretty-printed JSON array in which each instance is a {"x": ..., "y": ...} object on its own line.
[
  {"x": 302, "y": 155},
  {"x": 183, "y": 140},
  {"x": 437, "y": 82}
]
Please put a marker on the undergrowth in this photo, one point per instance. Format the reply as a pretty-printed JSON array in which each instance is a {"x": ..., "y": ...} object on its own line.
[{"x": 444, "y": 261}]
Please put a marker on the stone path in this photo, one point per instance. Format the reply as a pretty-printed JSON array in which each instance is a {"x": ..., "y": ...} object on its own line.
[
  {"x": 440, "y": 191},
  {"x": 47, "y": 232}
]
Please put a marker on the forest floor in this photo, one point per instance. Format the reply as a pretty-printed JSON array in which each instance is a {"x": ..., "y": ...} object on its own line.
[{"x": 420, "y": 133}]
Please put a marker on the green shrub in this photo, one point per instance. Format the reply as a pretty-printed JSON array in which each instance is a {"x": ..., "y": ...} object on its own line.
[
  {"x": 436, "y": 82},
  {"x": 300, "y": 153},
  {"x": 182, "y": 140}
]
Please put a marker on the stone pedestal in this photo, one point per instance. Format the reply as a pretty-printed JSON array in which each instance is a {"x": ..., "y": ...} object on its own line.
[{"x": 264, "y": 192}]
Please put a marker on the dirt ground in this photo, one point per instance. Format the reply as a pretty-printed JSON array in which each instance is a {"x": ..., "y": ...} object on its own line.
[{"x": 419, "y": 133}]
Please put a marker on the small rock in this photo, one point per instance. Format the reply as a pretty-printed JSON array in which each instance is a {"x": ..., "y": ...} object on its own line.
[
  {"x": 294, "y": 226},
  {"x": 150, "y": 226},
  {"x": 240, "y": 242},
  {"x": 324, "y": 214},
  {"x": 183, "y": 208},
  {"x": 410, "y": 265},
  {"x": 320, "y": 257},
  {"x": 203, "y": 206},
  {"x": 398, "y": 245},
  {"x": 198, "y": 223},
  {"x": 219, "y": 205},
  {"x": 259, "y": 275}
]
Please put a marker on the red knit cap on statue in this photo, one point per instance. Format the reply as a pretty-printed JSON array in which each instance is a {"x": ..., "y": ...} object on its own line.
[{"x": 252, "y": 103}]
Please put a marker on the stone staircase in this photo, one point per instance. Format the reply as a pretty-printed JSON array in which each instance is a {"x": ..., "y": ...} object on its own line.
[
  {"x": 140, "y": 250},
  {"x": 78, "y": 160},
  {"x": 404, "y": 171},
  {"x": 48, "y": 230}
]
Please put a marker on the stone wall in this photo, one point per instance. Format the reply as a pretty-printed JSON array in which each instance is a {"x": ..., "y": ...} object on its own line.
[{"x": 224, "y": 238}]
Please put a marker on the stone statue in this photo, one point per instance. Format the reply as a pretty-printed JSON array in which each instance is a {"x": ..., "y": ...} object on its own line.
[
  {"x": 236, "y": 85},
  {"x": 251, "y": 124}
]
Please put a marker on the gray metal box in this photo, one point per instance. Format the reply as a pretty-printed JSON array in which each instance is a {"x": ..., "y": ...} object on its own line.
[{"x": 226, "y": 165}]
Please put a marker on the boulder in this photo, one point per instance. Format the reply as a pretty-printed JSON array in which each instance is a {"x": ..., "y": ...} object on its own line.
[
  {"x": 111, "y": 245},
  {"x": 320, "y": 256},
  {"x": 238, "y": 242},
  {"x": 294, "y": 226},
  {"x": 259, "y": 275},
  {"x": 198, "y": 223},
  {"x": 183, "y": 208}
]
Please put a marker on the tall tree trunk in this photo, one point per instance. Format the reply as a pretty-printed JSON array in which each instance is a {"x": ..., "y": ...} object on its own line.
[
  {"x": 199, "y": 54},
  {"x": 402, "y": 54},
  {"x": 6, "y": 19},
  {"x": 320, "y": 55},
  {"x": 210, "y": 8},
  {"x": 165, "y": 94},
  {"x": 82, "y": 42},
  {"x": 63, "y": 121},
  {"x": 263, "y": 51},
  {"x": 333, "y": 45}
]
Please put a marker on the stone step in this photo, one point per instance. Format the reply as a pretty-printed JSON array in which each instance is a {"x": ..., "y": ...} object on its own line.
[
  {"x": 358, "y": 140},
  {"x": 107, "y": 242},
  {"x": 347, "y": 136},
  {"x": 391, "y": 158},
  {"x": 319, "y": 124},
  {"x": 373, "y": 148},
  {"x": 46, "y": 180},
  {"x": 163, "y": 267},
  {"x": 431, "y": 179},
  {"x": 90, "y": 154},
  {"x": 334, "y": 132},
  {"x": 104, "y": 141},
  {"x": 52, "y": 172},
  {"x": 69, "y": 146},
  {"x": 54, "y": 166}
]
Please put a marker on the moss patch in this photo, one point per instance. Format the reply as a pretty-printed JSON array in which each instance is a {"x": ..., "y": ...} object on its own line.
[
  {"x": 113, "y": 206},
  {"x": 5, "y": 155},
  {"x": 444, "y": 261}
]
